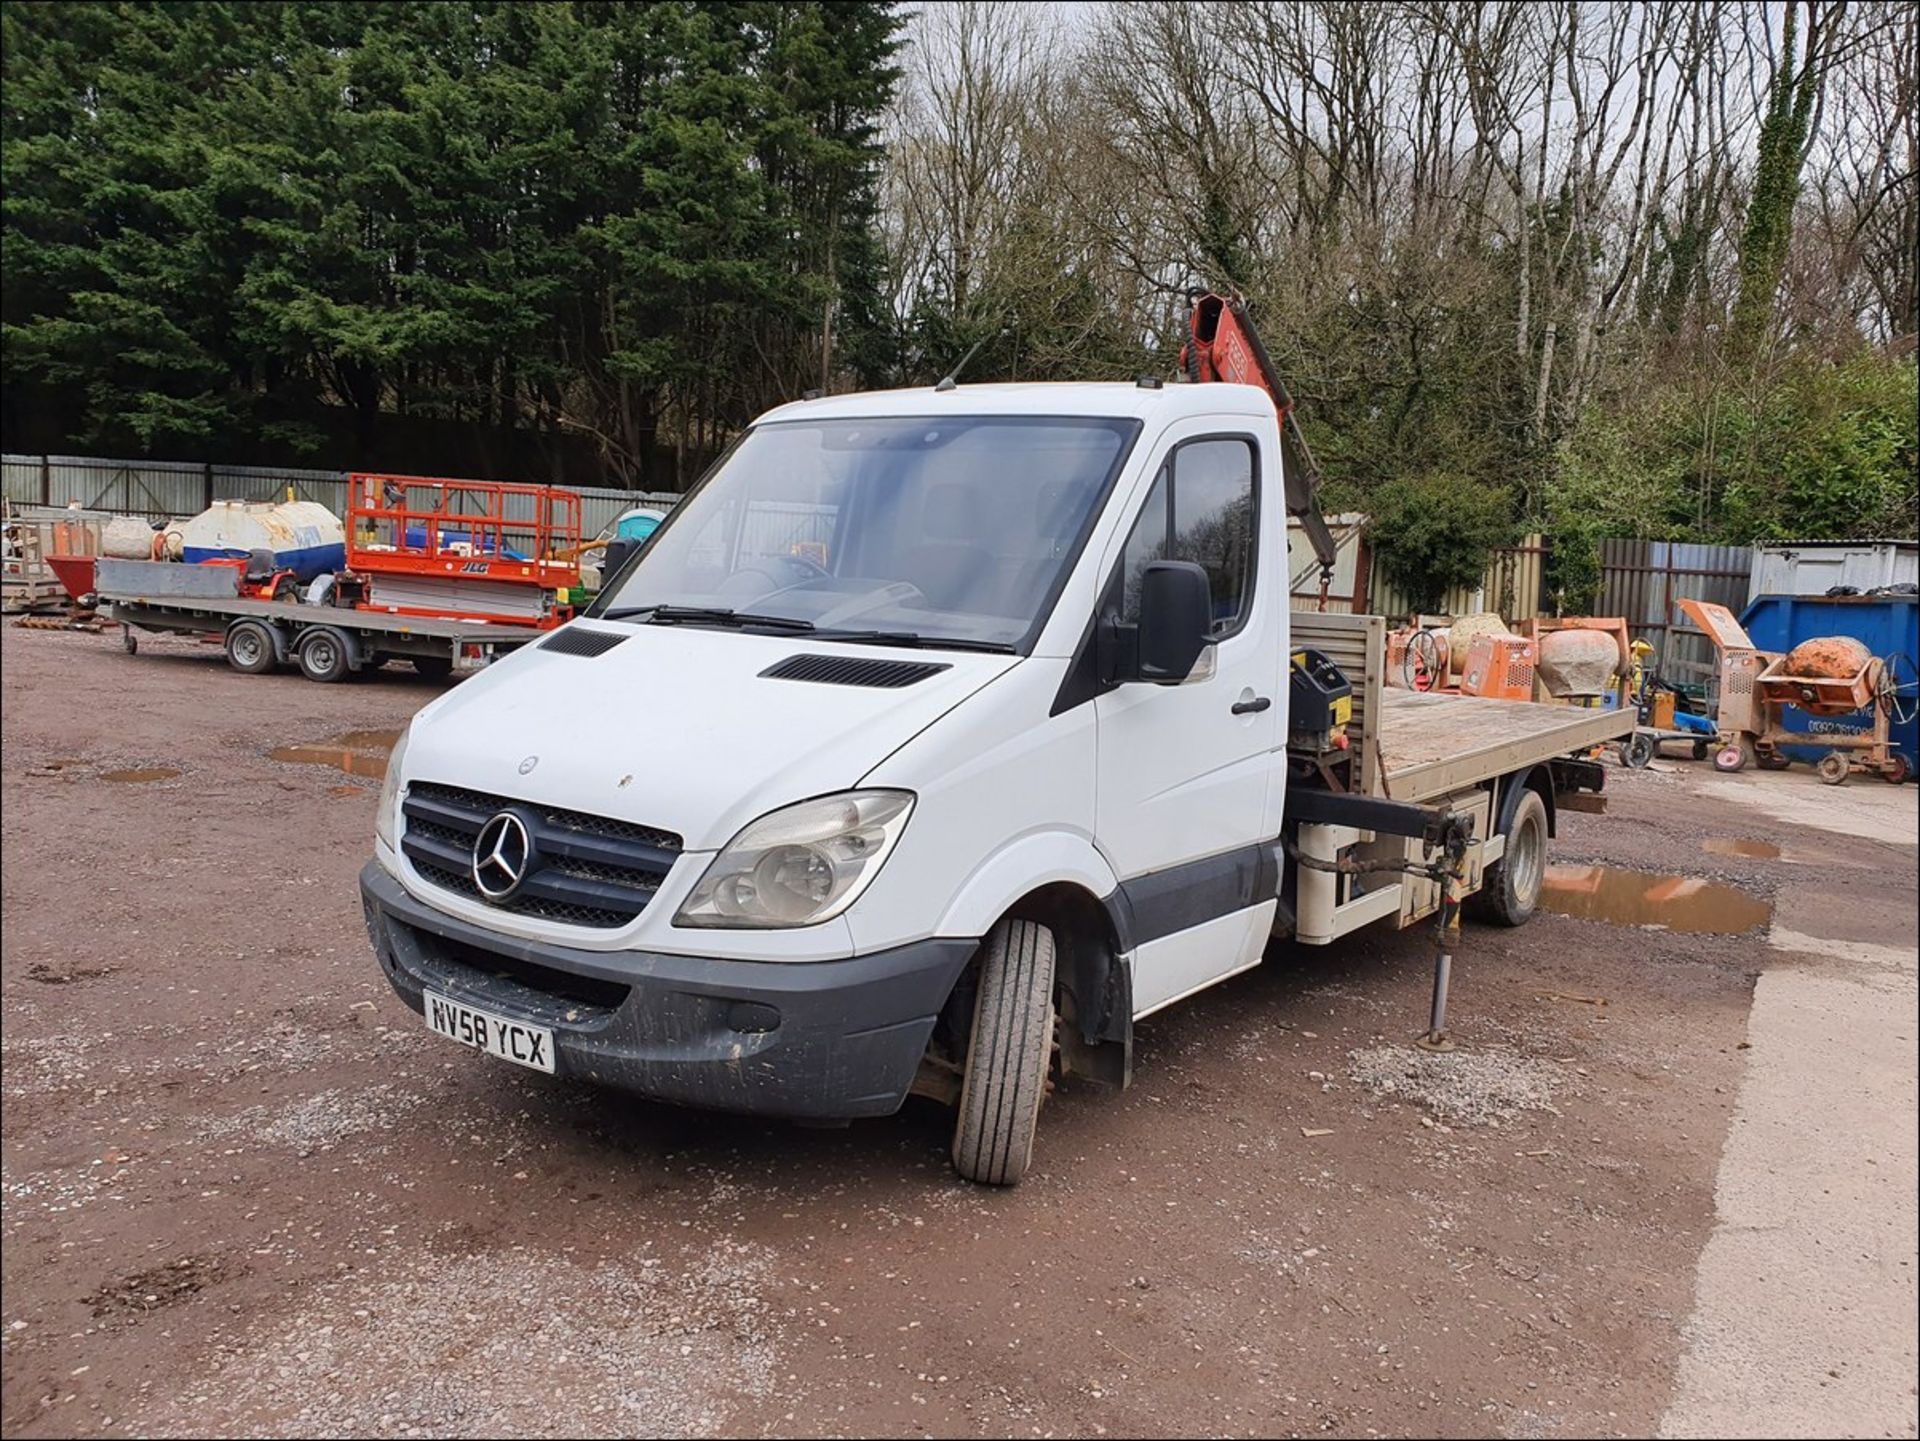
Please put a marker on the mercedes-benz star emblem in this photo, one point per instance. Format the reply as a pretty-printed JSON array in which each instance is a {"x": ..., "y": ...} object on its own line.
[
  {"x": 502, "y": 856},
  {"x": 528, "y": 764}
]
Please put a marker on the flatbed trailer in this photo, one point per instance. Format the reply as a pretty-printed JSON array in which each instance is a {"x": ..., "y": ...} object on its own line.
[
  {"x": 1458, "y": 755},
  {"x": 328, "y": 643}
]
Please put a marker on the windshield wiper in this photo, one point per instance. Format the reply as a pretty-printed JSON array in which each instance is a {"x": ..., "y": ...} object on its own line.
[
  {"x": 914, "y": 640},
  {"x": 705, "y": 615}
]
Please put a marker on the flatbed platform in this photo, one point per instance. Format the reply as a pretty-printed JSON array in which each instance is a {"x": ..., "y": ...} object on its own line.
[
  {"x": 327, "y": 643},
  {"x": 169, "y": 613},
  {"x": 1433, "y": 744}
]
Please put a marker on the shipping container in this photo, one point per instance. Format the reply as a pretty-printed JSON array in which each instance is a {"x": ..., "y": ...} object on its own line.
[{"x": 1813, "y": 567}]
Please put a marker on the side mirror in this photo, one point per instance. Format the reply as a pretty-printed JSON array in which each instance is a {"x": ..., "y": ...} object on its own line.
[{"x": 1175, "y": 617}]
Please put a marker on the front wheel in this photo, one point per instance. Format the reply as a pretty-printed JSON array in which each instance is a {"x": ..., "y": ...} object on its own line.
[
  {"x": 1006, "y": 1076},
  {"x": 1510, "y": 887},
  {"x": 250, "y": 648}
]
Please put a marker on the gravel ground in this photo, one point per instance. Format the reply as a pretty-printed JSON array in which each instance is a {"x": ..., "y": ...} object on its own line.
[{"x": 245, "y": 1190}]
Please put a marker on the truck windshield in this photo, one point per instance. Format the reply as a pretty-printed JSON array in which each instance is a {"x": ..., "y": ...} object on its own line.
[{"x": 917, "y": 531}]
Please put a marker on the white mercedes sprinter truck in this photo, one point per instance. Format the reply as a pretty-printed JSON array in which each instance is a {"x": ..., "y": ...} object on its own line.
[{"x": 936, "y": 738}]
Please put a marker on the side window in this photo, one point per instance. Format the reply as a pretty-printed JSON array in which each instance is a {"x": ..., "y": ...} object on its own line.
[
  {"x": 1213, "y": 522},
  {"x": 1147, "y": 544},
  {"x": 1201, "y": 508}
]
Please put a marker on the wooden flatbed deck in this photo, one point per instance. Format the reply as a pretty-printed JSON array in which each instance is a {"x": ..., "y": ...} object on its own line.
[{"x": 1432, "y": 744}]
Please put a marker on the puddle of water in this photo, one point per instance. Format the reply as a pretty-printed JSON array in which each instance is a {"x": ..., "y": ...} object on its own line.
[
  {"x": 1752, "y": 850},
  {"x": 367, "y": 740},
  {"x": 140, "y": 776},
  {"x": 1640, "y": 898},
  {"x": 358, "y": 753},
  {"x": 354, "y": 763}
]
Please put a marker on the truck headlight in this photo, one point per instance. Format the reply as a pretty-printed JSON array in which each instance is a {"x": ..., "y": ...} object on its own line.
[
  {"x": 800, "y": 865},
  {"x": 386, "y": 820}
]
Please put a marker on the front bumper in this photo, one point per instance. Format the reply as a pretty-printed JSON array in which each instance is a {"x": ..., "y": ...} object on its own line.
[{"x": 814, "y": 1039}]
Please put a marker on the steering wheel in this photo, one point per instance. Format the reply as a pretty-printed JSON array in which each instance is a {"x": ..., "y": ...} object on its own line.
[{"x": 806, "y": 570}]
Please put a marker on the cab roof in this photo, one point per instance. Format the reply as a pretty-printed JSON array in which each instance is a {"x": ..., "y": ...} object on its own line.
[{"x": 1061, "y": 398}]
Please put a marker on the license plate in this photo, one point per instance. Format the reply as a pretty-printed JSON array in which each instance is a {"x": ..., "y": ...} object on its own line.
[{"x": 530, "y": 1046}]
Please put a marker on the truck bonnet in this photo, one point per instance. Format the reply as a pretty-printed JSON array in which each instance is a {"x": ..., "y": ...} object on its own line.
[{"x": 684, "y": 729}]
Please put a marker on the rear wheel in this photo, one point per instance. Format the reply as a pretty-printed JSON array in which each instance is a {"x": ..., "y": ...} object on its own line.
[
  {"x": 325, "y": 655},
  {"x": 1006, "y": 1076},
  {"x": 1510, "y": 887},
  {"x": 1636, "y": 751}
]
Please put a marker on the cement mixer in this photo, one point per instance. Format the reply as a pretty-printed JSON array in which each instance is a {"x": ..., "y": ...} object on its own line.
[{"x": 1827, "y": 676}]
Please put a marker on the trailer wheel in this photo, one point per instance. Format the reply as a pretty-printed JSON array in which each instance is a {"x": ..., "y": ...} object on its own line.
[
  {"x": 250, "y": 648},
  {"x": 1732, "y": 757},
  {"x": 1636, "y": 752},
  {"x": 1772, "y": 760},
  {"x": 1834, "y": 768},
  {"x": 433, "y": 667},
  {"x": 1006, "y": 1076},
  {"x": 1510, "y": 887},
  {"x": 326, "y": 655}
]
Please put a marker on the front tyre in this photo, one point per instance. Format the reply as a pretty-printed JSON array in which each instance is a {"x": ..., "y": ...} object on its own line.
[
  {"x": 250, "y": 648},
  {"x": 1012, "y": 1041}
]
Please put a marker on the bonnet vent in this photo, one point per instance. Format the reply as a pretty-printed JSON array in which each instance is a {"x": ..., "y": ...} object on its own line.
[
  {"x": 853, "y": 670},
  {"x": 589, "y": 643}
]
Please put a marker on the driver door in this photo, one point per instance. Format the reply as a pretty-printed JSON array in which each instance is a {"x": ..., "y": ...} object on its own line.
[{"x": 1181, "y": 800}]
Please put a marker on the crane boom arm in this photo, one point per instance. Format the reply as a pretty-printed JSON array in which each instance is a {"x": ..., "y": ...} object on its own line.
[{"x": 1225, "y": 347}]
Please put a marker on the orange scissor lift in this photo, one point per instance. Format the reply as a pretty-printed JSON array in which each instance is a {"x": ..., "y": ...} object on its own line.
[{"x": 464, "y": 549}]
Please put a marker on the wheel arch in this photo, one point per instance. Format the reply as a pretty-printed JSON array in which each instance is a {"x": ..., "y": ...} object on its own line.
[
  {"x": 1093, "y": 983},
  {"x": 1535, "y": 778}
]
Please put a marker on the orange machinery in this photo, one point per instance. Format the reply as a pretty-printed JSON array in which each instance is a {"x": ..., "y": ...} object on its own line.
[
  {"x": 464, "y": 549},
  {"x": 1499, "y": 667}
]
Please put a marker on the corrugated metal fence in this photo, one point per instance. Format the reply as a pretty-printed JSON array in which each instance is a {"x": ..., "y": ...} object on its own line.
[
  {"x": 164, "y": 489},
  {"x": 1641, "y": 580}
]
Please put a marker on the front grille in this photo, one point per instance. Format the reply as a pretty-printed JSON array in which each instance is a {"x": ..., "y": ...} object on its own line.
[{"x": 591, "y": 870}]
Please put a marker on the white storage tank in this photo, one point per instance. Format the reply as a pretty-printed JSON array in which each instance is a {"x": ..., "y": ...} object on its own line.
[{"x": 304, "y": 537}]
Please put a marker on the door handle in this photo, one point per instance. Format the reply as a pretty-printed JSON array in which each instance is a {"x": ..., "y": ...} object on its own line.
[{"x": 1252, "y": 707}]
